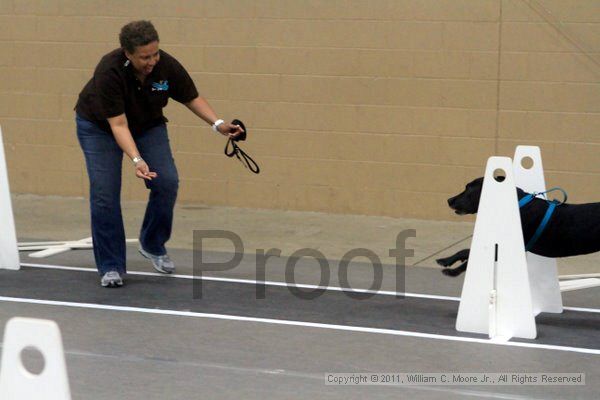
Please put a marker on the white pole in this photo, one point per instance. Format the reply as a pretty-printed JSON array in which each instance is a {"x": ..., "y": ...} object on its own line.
[{"x": 9, "y": 252}]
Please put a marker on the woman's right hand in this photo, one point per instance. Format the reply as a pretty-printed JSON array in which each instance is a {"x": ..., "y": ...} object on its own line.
[{"x": 143, "y": 171}]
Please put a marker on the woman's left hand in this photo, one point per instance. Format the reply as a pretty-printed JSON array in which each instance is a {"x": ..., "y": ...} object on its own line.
[{"x": 230, "y": 130}]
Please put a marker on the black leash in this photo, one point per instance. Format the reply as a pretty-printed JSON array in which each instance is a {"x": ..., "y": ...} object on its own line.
[{"x": 236, "y": 151}]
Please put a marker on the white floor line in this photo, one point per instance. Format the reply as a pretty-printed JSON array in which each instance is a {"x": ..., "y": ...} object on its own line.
[
  {"x": 282, "y": 284},
  {"x": 300, "y": 324},
  {"x": 253, "y": 282}
]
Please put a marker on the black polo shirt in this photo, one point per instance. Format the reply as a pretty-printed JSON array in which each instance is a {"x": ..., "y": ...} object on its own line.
[{"x": 114, "y": 90}]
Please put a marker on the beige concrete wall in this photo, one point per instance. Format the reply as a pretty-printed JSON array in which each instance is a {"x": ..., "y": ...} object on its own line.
[{"x": 381, "y": 107}]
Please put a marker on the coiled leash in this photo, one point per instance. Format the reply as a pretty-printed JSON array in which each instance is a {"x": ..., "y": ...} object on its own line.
[
  {"x": 236, "y": 151},
  {"x": 552, "y": 204}
]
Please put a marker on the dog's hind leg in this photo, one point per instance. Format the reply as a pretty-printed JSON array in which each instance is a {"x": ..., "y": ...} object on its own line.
[
  {"x": 454, "y": 272},
  {"x": 462, "y": 255}
]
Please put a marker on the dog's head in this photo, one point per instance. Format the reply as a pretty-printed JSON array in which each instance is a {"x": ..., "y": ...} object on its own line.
[{"x": 467, "y": 202}]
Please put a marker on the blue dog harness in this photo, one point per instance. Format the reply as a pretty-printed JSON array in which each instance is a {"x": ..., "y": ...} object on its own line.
[{"x": 551, "y": 206}]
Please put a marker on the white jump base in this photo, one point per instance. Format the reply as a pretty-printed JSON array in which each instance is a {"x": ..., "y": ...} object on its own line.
[
  {"x": 505, "y": 287},
  {"x": 47, "y": 249}
]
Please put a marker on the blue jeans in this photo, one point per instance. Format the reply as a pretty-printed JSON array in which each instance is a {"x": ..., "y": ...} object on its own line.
[{"x": 103, "y": 158}]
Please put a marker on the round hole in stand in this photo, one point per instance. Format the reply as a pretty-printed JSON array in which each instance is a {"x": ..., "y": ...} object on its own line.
[
  {"x": 33, "y": 360},
  {"x": 499, "y": 175},
  {"x": 527, "y": 162}
]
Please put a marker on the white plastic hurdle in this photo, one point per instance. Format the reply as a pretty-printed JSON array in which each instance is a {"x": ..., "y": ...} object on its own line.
[
  {"x": 543, "y": 272},
  {"x": 16, "y": 382},
  {"x": 496, "y": 297},
  {"x": 9, "y": 253},
  {"x": 505, "y": 287},
  {"x": 547, "y": 285}
]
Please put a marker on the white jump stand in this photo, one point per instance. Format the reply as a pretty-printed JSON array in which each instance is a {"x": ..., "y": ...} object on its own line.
[
  {"x": 9, "y": 254},
  {"x": 496, "y": 297},
  {"x": 543, "y": 273},
  {"x": 16, "y": 382},
  {"x": 505, "y": 287}
]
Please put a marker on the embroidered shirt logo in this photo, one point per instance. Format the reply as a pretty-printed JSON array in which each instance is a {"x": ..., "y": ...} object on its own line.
[{"x": 160, "y": 86}]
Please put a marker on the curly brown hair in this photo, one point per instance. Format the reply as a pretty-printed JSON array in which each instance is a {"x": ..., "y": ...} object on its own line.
[{"x": 137, "y": 33}]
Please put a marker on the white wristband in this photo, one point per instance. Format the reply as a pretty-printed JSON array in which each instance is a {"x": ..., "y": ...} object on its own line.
[
  {"x": 136, "y": 160},
  {"x": 216, "y": 125}
]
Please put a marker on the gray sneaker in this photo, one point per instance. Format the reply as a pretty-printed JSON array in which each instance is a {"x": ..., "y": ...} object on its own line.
[
  {"x": 111, "y": 279},
  {"x": 160, "y": 263}
]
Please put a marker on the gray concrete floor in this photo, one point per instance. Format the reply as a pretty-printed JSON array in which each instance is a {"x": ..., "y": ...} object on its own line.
[
  {"x": 112, "y": 355},
  {"x": 128, "y": 355}
]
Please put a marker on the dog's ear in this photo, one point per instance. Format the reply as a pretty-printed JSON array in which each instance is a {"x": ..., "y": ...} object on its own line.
[{"x": 475, "y": 183}]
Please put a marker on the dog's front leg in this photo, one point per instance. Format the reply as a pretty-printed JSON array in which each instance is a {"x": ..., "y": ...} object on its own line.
[
  {"x": 454, "y": 272},
  {"x": 462, "y": 255}
]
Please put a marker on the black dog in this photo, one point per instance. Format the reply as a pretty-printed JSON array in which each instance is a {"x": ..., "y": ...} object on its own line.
[{"x": 574, "y": 229}]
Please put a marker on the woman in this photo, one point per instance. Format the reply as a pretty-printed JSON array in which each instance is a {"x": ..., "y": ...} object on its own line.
[{"x": 120, "y": 111}]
